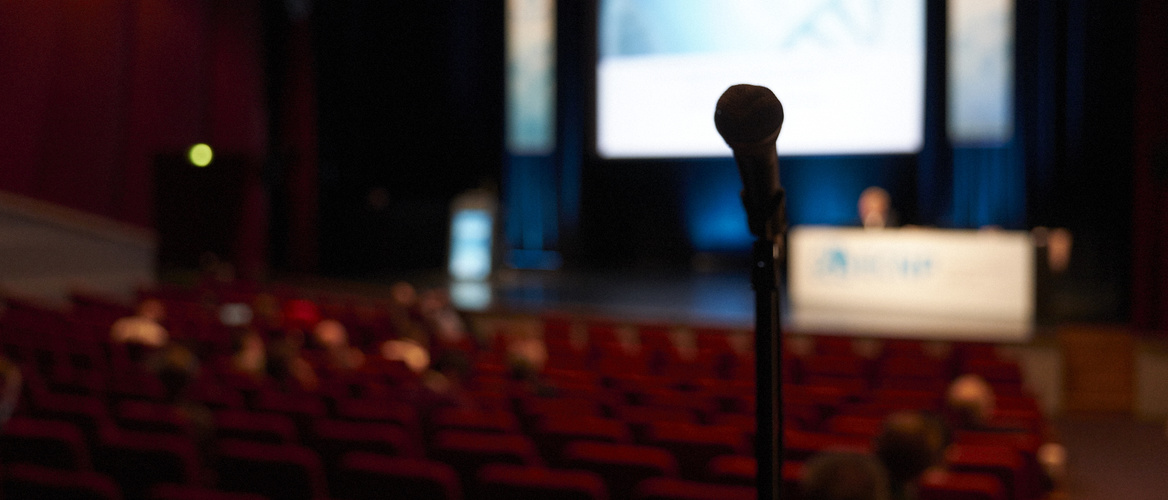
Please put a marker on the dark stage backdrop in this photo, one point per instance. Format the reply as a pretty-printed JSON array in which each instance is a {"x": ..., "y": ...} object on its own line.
[
  {"x": 410, "y": 98},
  {"x": 407, "y": 98}
]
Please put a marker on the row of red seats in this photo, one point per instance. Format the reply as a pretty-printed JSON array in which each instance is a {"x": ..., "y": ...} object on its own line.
[{"x": 846, "y": 402}]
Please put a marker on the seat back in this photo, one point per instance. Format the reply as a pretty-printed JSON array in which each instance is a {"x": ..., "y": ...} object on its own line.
[
  {"x": 369, "y": 476},
  {"x": 283, "y": 471},
  {"x": 32, "y": 481},
  {"x": 517, "y": 482},
  {"x": 47, "y": 443}
]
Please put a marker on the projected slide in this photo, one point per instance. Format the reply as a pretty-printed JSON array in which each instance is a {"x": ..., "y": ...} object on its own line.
[{"x": 850, "y": 73}]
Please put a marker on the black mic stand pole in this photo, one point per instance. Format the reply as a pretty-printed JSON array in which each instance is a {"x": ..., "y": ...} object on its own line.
[
  {"x": 749, "y": 118},
  {"x": 769, "y": 228}
]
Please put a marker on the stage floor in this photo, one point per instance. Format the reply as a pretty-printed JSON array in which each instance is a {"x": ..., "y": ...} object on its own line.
[{"x": 716, "y": 299}]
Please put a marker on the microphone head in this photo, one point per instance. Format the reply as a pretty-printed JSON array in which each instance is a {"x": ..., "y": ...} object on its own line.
[{"x": 748, "y": 115}]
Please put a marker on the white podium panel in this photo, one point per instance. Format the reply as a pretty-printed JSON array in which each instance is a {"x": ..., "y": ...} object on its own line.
[{"x": 914, "y": 282}]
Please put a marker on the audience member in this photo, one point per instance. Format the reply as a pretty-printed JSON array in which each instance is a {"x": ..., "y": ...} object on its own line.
[
  {"x": 445, "y": 324},
  {"x": 446, "y": 380},
  {"x": 336, "y": 355},
  {"x": 838, "y": 475},
  {"x": 404, "y": 316},
  {"x": 527, "y": 356},
  {"x": 144, "y": 327},
  {"x": 177, "y": 367},
  {"x": 249, "y": 356},
  {"x": 287, "y": 366},
  {"x": 407, "y": 351},
  {"x": 909, "y": 443},
  {"x": 969, "y": 401}
]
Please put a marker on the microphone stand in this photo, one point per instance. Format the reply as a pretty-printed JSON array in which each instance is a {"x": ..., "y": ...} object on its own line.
[
  {"x": 749, "y": 118},
  {"x": 769, "y": 227}
]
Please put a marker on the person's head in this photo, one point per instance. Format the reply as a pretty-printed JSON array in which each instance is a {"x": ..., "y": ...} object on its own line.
[
  {"x": 970, "y": 400},
  {"x": 330, "y": 334},
  {"x": 412, "y": 354},
  {"x": 403, "y": 294},
  {"x": 248, "y": 350},
  {"x": 875, "y": 207},
  {"x": 840, "y": 475},
  {"x": 909, "y": 443}
]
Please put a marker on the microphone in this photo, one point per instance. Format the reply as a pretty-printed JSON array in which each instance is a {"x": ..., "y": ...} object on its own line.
[{"x": 749, "y": 118}]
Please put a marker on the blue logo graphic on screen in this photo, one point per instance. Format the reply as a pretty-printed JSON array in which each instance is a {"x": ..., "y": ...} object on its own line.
[{"x": 841, "y": 263}]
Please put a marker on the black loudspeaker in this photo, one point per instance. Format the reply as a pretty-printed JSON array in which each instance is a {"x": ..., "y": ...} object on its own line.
[{"x": 197, "y": 210}]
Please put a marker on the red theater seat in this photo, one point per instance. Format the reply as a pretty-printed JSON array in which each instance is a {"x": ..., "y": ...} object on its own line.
[
  {"x": 46, "y": 443},
  {"x": 702, "y": 405},
  {"x": 622, "y": 466},
  {"x": 34, "y": 482},
  {"x": 1004, "y": 462},
  {"x": 190, "y": 492},
  {"x": 214, "y": 395},
  {"x": 677, "y": 489},
  {"x": 88, "y": 413},
  {"x": 535, "y": 409},
  {"x": 148, "y": 416},
  {"x": 553, "y": 434},
  {"x": 333, "y": 439},
  {"x": 741, "y": 470},
  {"x": 516, "y": 482},
  {"x": 282, "y": 471},
  {"x": 946, "y": 485},
  {"x": 563, "y": 353},
  {"x": 377, "y": 410},
  {"x": 254, "y": 426},
  {"x": 469, "y": 451},
  {"x": 902, "y": 348},
  {"x": 613, "y": 358},
  {"x": 799, "y": 446},
  {"x": 924, "y": 399},
  {"x": 303, "y": 408},
  {"x": 464, "y": 419},
  {"x": 136, "y": 386},
  {"x": 368, "y": 476},
  {"x": 640, "y": 418},
  {"x": 714, "y": 339},
  {"x": 994, "y": 371},
  {"x": 694, "y": 445},
  {"x": 139, "y": 460},
  {"x": 912, "y": 366},
  {"x": 855, "y": 425}
]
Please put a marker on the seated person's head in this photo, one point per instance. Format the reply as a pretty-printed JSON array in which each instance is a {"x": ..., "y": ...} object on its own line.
[
  {"x": 410, "y": 353},
  {"x": 837, "y": 475},
  {"x": 249, "y": 353},
  {"x": 908, "y": 444},
  {"x": 970, "y": 400},
  {"x": 330, "y": 334},
  {"x": 875, "y": 207}
]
